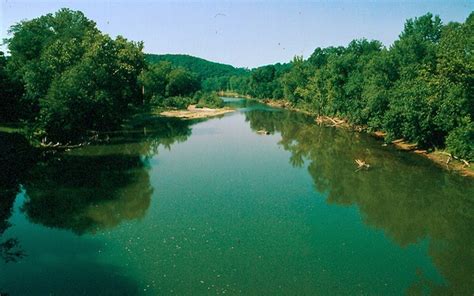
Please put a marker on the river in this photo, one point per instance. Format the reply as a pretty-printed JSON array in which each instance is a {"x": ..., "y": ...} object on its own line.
[{"x": 215, "y": 207}]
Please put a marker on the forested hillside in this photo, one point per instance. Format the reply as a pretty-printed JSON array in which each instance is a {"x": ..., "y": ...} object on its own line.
[{"x": 214, "y": 76}]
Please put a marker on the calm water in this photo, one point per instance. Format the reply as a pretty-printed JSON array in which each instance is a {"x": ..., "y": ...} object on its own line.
[{"x": 213, "y": 207}]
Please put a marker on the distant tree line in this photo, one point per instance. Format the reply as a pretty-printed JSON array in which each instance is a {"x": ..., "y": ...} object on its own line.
[
  {"x": 212, "y": 76},
  {"x": 419, "y": 89},
  {"x": 168, "y": 86}
]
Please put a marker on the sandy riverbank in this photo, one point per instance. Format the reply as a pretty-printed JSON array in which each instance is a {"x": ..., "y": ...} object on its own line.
[{"x": 194, "y": 113}]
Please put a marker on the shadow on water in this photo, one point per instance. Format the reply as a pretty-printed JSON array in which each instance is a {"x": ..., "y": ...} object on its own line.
[{"x": 405, "y": 195}]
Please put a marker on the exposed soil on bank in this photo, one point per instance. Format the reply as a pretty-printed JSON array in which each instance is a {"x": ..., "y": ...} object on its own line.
[{"x": 442, "y": 158}]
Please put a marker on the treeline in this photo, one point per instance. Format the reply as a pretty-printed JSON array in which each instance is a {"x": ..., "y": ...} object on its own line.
[
  {"x": 419, "y": 89},
  {"x": 65, "y": 79},
  {"x": 169, "y": 86},
  {"x": 165, "y": 85},
  {"x": 212, "y": 76}
]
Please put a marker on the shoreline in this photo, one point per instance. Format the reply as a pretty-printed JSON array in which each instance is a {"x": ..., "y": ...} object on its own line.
[
  {"x": 441, "y": 158},
  {"x": 196, "y": 113}
]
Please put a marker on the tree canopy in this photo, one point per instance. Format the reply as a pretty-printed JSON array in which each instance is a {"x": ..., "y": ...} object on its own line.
[
  {"x": 64, "y": 78},
  {"x": 212, "y": 76},
  {"x": 75, "y": 78},
  {"x": 419, "y": 89}
]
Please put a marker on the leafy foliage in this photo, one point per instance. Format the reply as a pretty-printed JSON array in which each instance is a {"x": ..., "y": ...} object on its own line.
[
  {"x": 213, "y": 76},
  {"x": 419, "y": 89},
  {"x": 167, "y": 86},
  {"x": 208, "y": 100},
  {"x": 181, "y": 83},
  {"x": 65, "y": 77},
  {"x": 75, "y": 78}
]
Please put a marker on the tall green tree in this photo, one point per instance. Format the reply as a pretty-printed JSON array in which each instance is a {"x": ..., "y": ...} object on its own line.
[
  {"x": 181, "y": 82},
  {"x": 75, "y": 78},
  {"x": 154, "y": 80}
]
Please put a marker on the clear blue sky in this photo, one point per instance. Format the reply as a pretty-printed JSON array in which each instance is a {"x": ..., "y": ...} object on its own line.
[{"x": 243, "y": 33}]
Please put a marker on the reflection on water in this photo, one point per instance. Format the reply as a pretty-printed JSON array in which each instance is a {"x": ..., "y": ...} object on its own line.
[
  {"x": 88, "y": 196},
  {"x": 398, "y": 195},
  {"x": 87, "y": 189},
  {"x": 87, "y": 193},
  {"x": 84, "y": 190},
  {"x": 16, "y": 158}
]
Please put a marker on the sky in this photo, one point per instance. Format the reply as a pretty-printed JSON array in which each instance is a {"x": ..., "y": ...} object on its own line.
[{"x": 242, "y": 33}]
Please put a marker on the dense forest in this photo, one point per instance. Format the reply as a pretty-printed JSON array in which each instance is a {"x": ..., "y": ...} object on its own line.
[
  {"x": 213, "y": 76},
  {"x": 420, "y": 88},
  {"x": 64, "y": 78}
]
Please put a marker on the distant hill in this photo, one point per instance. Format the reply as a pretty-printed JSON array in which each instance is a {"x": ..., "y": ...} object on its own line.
[{"x": 203, "y": 68}]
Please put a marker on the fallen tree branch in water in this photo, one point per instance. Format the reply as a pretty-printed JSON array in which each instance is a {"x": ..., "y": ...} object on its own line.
[
  {"x": 59, "y": 146},
  {"x": 465, "y": 162},
  {"x": 361, "y": 164}
]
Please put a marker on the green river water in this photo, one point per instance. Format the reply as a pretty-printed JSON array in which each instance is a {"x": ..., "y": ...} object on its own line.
[{"x": 214, "y": 207}]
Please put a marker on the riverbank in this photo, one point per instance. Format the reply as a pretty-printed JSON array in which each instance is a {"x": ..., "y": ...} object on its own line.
[
  {"x": 195, "y": 113},
  {"x": 232, "y": 94},
  {"x": 440, "y": 157}
]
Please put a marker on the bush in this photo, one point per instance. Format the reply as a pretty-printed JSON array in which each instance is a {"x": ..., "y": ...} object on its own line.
[
  {"x": 460, "y": 141},
  {"x": 209, "y": 100},
  {"x": 177, "y": 102}
]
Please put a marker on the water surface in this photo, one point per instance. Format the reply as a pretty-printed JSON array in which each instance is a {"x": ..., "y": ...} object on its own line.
[{"x": 213, "y": 207}]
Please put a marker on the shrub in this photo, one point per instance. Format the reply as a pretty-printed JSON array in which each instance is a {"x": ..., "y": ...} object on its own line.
[
  {"x": 209, "y": 100},
  {"x": 177, "y": 102},
  {"x": 460, "y": 141}
]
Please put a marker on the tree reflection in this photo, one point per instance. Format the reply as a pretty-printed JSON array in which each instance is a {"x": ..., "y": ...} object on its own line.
[
  {"x": 100, "y": 186},
  {"x": 84, "y": 190},
  {"x": 398, "y": 195},
  {"x": 16, "y": 157},
  {"x": 70, "y": 192},
  {"x": 143, "y": 137}
]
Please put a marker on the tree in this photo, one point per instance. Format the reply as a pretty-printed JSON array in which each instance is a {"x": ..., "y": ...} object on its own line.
[
  {"x": 419, "y": 89},
  {"x": 295, "y": 79},
  {"x": 181, "y": 83},
  {"x": 75, "y": 78},
  {"x": 154, "y": 80},
  {"x": 262, "y": 81}
]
